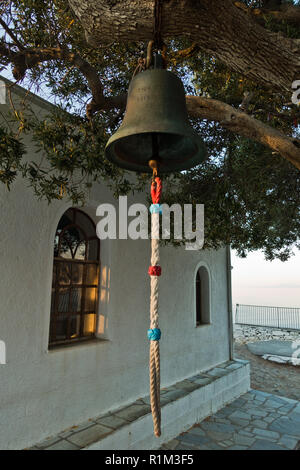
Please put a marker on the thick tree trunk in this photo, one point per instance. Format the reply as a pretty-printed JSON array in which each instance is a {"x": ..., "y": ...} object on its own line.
[{"x": 219, "y": 27}]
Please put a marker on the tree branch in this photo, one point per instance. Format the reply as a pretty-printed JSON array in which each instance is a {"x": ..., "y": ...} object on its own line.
[
  {"x": 287, "y": 12},
  {"x": 241, "y": 123},
  {"x": 6, "y": 53},
  {"x": 186, "y": 53},
  {"x": 11, "y": 34},
  {"x": 29, "y": 58}
]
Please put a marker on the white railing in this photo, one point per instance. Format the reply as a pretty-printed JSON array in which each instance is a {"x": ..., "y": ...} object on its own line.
[{"x": 275, "y": 317}]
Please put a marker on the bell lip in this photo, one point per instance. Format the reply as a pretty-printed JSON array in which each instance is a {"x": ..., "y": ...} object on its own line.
[
  {"x": 187, "y": 164},
  {"x": 128, "y": 131}
]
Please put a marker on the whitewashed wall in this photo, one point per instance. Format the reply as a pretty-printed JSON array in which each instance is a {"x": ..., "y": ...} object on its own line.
[{"x": 43, "y": 392}]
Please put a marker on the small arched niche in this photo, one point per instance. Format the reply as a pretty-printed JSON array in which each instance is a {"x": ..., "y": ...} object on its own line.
[{"x": 202, "y": 296}]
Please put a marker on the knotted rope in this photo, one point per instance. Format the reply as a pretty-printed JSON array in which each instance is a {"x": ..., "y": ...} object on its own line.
[{"x": 154, "y": 331}]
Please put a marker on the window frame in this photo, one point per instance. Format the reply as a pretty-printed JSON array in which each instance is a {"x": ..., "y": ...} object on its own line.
[{"x": 83, "y": 285}]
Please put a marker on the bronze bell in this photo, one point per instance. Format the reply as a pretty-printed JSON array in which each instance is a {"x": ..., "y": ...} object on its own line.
[{"x": 156, "y": 127}]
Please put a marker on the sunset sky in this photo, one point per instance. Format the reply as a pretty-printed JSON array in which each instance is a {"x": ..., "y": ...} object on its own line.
[{"x": 256, "y": 281}]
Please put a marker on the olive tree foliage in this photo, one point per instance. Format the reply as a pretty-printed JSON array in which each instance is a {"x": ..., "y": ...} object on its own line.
[{"x": 82, "y": 55}]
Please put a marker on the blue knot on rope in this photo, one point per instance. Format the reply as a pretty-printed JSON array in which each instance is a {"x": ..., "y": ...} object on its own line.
[
  {"x": 154, "y": 334},
  {"x": 155, "y": 209}
]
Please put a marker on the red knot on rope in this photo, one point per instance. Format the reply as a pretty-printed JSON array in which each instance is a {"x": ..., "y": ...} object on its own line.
[{"x": 154, "y": 271}]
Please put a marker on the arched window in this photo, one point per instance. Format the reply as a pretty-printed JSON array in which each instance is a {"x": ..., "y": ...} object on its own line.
[
  {"x": 202, "y": 297},
  {"x": 75, "y": 279}
]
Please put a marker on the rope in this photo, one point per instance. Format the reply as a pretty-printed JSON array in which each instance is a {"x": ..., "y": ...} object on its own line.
[
  {"x": 154, "y": 331},
  {"x": 157, "y": 24}
]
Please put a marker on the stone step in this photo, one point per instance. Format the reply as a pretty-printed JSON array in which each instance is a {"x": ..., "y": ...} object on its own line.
[{"x": 183, "y": 404}]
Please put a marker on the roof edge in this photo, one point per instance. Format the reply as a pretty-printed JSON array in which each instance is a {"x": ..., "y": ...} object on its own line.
[{"x": 41, "y": 102}]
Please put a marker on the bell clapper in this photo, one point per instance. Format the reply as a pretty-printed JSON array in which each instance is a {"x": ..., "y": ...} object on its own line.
[
  {"x": 149, "y": 58},
  {"x": 154, "y": 166}
]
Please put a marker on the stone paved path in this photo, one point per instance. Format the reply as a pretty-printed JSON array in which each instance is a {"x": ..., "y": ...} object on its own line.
[
  {"x": 279, "y": 379},
  {"x": 255, "y": 421}
]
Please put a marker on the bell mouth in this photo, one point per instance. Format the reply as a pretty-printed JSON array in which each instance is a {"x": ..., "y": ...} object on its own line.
[{"x": 173, "y": 152}]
